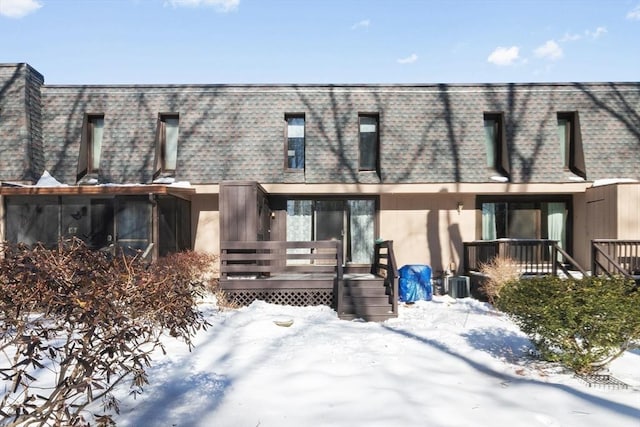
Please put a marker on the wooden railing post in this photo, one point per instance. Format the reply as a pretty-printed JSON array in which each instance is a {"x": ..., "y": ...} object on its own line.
[
  {"x": 339, "y": 279},
  {"x": 392, "y": 276}
]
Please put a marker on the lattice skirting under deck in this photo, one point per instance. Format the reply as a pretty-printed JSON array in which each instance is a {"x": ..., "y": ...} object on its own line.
[{"x": 295, "y": 297}]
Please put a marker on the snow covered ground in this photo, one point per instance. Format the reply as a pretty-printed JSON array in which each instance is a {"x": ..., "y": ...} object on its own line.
[{"x": 441, "y": 363}]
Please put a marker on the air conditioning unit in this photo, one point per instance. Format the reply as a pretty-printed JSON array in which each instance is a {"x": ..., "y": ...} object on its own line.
[{"x": 458, "y": 286}]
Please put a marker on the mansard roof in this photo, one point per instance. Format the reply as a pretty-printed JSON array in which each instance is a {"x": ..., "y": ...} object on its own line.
[{"x": 428, "y": 133}]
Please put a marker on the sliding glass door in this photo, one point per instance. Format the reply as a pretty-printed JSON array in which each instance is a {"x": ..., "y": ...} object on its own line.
[
  {"x": 525, "y": 218},
  {"x": 350, "y": 221}
]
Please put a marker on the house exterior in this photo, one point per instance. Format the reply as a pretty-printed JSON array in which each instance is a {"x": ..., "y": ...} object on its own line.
[{"x": 161, "y": 167}]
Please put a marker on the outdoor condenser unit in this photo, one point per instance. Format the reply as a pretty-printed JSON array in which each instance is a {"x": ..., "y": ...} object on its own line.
[{"x": 458, "y": 286}]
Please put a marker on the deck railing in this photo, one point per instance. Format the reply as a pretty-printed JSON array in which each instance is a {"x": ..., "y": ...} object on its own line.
[
  {"x": 384, "y": 265},
  {"x": 616, "y": 257},
  {"x": 533, "y": 256},
  {"x": 264, "y": 258}
]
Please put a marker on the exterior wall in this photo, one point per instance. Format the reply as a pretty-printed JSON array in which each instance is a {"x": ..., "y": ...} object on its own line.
[
  {"x": 246, "y": 212},
  {"x": 428, "y": 228},
  {"x": 602, "y": 220},
  {"x": 581, "y": 241},
  {"x": 613, "y": 211},
  {"x": 3, "y": 235},
  {"x": 205, "y": 223},
  {"x": 628, "y": 218}
]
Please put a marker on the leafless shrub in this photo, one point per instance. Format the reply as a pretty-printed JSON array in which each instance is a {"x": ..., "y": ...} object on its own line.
[
  {"x": 225, "y": 301},
  {"x": 497, "y": 273},
  {"x": 89, "y": 320}
]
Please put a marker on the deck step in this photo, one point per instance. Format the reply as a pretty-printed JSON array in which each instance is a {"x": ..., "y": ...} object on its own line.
[
  {"x": 366, "y": 298},
  {"x": 364, "y": 283},
  {"x": 366, "y": 310},
  {"x": 365, "y": 292},
  {"x": 368, "y": 318}
]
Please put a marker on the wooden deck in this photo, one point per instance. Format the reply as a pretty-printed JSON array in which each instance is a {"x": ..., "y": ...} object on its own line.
[
  {"x": 309, "y": 273},
  {"x": 609, "y": 257},
  {"x": 533, "y": 256}
]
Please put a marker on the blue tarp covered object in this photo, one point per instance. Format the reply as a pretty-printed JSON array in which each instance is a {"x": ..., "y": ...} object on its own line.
[{"x": 415, "y": 283}]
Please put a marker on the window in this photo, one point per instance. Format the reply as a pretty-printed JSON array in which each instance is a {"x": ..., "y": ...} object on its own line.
[
  {"x": 368, "y": 124},
  {"x": 101, "y": 222},
  {"x": 167, "y": 145},
  {"x": 295, "y": 141},
  {"x": 90, "y": 148},
  {"x": 570, "y": 143},
  {"x": 495, "y": 144},
  {"x": 564, "y": 137},
  {"x": 174, "y": 225}
]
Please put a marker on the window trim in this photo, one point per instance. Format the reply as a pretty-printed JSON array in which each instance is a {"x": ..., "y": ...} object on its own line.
[
  {"x": 161, "y": 140},
  {"x": 376, "y": 166},
  {"x": 501, "y": 157},
  {"x": 288, "y": 116}
]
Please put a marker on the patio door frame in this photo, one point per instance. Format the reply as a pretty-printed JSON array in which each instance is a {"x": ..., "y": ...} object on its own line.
[{"x": 345, "y": 234}]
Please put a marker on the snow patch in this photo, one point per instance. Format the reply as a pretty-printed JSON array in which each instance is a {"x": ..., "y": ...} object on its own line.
[
  {"x": 46, "y": 180},
  {"x": 609, "y": 181},
  {"x": 441, "y": 362}
]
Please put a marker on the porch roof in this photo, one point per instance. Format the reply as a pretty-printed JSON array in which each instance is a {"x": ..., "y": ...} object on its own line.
[{"x": 96, "y": 190}]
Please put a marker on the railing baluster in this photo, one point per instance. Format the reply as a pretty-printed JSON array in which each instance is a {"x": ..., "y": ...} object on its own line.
[{"x": 613, "y": 257}]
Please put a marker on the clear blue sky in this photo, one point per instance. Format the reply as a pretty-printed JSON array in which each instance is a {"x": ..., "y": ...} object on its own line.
[{"x": 322, "y": 41}]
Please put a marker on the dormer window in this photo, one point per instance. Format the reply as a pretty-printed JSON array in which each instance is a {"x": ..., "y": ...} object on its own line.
[
  {"x": 495, "y": 146},
  {"x": 295, "y": 141},
  {"x": 90, "y": 149},
  {"x": 167, "y": 145},
  {"x": 369, "y": 142},
  {"x": 570, "y": 144}
]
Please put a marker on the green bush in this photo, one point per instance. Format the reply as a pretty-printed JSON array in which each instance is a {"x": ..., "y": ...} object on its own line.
[{"x": 583, "y": 324}]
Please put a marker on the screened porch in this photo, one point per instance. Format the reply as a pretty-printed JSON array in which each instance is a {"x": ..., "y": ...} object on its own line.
[{"x": 155, "y": 220}]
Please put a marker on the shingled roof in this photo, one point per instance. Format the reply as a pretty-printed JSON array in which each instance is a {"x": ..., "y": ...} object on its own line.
[{"x": 428, "y": 133}]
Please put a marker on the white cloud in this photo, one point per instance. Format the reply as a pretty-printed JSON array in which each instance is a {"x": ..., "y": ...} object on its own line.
[
  {"x": 597, "y": 33},
  {"x": 504, "y": 55},
  {"x": 18, "y": 8},
  {"x": 634, "y": 14},
  {"x": 409, "y": 59},
  {"x": 362, "y": 24},
  {"x": 550, "y": 50},
  {"x": 568, "y": 37},
  {"x": 220, "y": 5}
]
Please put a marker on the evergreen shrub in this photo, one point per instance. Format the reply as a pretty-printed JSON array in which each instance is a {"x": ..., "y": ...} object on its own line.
[{"x": 581, "y": 323}]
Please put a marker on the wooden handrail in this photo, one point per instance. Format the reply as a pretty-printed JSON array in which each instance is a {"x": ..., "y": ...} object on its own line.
[
  {"x": 615, "y": 253},
  {"x": 390, "y": 268},
  {"x": 569, "y": 259},
  {"x": 267, "y": 257}
]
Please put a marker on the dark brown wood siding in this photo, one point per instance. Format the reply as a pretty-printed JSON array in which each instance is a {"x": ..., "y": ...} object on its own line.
[{"x": 244, "y": 212}]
